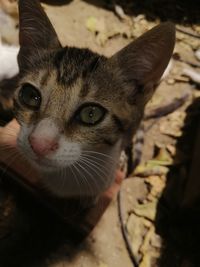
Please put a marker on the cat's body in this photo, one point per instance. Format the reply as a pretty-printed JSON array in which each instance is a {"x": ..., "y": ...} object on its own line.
[{"x": 78, "y": 110}]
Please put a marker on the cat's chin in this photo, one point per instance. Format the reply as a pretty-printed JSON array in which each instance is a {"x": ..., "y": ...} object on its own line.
[
  {"x": 66, "y": 187},
  {"x": 71, "y": 182},
  {"x": 47, "y": 168},
  {"x": 43, "y": 168}
]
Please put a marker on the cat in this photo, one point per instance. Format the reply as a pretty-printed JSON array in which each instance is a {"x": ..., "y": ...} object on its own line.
[{"x": 77, "y": 109}]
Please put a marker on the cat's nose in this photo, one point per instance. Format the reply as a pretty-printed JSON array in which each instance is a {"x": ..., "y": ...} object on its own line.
[{"x": 43, "y": 147}]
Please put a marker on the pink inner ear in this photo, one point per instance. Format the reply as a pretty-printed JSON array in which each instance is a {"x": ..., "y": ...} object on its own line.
[{"x": 43, "y": 146}]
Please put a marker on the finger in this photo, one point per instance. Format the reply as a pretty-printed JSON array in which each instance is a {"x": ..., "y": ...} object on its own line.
[
  {"x": 8, "y": 133},
  {"x": 98, "y": 210},
  {"x": 8, "y": 148},
  {"x": 113, "y": 190}
]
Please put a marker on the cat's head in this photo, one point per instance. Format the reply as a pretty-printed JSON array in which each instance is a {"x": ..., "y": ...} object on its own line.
[{"x": 77, "y": 109}]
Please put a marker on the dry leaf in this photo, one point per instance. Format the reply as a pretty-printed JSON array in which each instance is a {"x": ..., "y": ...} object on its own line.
[
  {"x": 197, "y": 54},
  {"x": 173, "y": 124},
  {"x": 149, "y": 168},
  {"x": 136, "y": 230},
  {"x": 147, "y": 210},
  {"x": 157, "y": 185},
  {"x": 162, "y": 158},
  {"x": 103, "y": 265},
  {"x": 192, "y": 74},
  {"x": 91, "y": 24},
  {"x": 120, "y": 12}
]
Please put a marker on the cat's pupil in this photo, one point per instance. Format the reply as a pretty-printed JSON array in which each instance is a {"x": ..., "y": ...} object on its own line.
[{"x": 91, "y": 115}]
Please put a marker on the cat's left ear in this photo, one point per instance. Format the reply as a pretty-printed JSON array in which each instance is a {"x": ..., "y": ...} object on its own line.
[
  {"x": 35, "y": 31},
  {"x": 141, "y": 64}
]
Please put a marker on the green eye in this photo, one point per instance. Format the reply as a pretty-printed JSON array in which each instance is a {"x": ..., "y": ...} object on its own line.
[
  {"x": 91, "y": 114},
  {"x": 30, "y": 97}
]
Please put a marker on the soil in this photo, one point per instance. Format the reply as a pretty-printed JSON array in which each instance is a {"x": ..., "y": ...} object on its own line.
[{"x": 153, "y": 222}]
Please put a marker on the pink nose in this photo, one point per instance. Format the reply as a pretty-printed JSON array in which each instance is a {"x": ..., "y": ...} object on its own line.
[{"x": 43, "y": 147}]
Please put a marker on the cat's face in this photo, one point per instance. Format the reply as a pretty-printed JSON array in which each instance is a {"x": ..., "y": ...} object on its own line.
[
  {"x": 70, "y": 116},
  {"x": 77, "y": 109}
]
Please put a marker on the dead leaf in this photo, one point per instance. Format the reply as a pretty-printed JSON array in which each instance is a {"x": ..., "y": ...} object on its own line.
[
  {"x": 120, "y": 12},
  {"x": 192, "y": 74},
  {"x": 173, "y": 124},
  {"x": 148, "y": 169},
  {"x": 197, "y": 54},
  {"x": 136, "y": 230},
  {"x": 10, "y": 7},
  {"x": 103, "y": 265},
  {"x": 157, "y": 185},
  {"x": 147, "y": 210},
  {"x": 95, "y": 25},
  {"x": 170, "y": 81},
  {"x": 162, "y": 158}
]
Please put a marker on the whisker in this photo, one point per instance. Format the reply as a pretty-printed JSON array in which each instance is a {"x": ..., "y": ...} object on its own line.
[
  {"x": 95, "y": 158},
  {"x": 94, "y": 170},
  {"x": 94, "y": 164},
  {"x": 76, "y": 179},
  {"x": 95, "y": 161},
  {"x": 85, "y": 178},
  {"x": 79, "y": 181},
  {"x": 100, "y": 153}
]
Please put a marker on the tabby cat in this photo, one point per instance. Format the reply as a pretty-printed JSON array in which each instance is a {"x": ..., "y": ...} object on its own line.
[{"x": 78, "y": 110}]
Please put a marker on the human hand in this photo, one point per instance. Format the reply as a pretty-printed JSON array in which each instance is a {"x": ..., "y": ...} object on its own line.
[{"x": 10, "y": 156}]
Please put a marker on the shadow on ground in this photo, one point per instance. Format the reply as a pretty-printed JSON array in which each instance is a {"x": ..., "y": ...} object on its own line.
[
  {"x": 178, "y": 11},
  {"x": 179, "y": 225},
  {"x": 56, "y": 2}
]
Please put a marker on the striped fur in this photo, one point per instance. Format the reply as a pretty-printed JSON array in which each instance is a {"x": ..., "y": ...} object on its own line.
[{"x": 69, "y": 78}]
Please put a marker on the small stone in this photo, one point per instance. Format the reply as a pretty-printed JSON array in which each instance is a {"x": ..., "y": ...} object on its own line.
[
  {"x": 197, "y": 54},
  {"x": 170, "y": 81}
]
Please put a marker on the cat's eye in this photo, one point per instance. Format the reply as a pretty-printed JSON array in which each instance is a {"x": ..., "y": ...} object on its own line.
[
  {"x": 91, "y": 114},
  {"x": 30, "y": 96}
]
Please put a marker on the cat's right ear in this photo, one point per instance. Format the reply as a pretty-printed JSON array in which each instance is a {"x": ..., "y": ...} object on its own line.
[
  {"x": 35, "y": 31},
  {"x": 142, "y": 63}
]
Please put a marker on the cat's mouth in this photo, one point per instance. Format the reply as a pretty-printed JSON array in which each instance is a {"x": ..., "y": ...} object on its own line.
[{"x": 41, "y": 162}]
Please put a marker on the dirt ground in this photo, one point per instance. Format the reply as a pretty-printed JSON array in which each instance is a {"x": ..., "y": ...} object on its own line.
[{"x": 155, "y": 219}]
